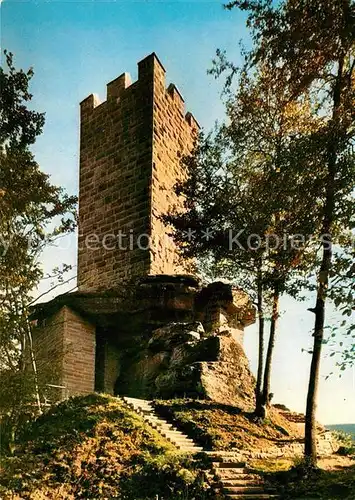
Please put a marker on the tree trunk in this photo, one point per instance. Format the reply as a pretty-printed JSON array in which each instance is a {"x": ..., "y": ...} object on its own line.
[
  {"x": 271, "y": 344},
  {"x": 310, "y": 450},
  {"x": 22, "y": 362},
  {"x": 34, "y": 366},
  {"x": 259, "y": 379}
]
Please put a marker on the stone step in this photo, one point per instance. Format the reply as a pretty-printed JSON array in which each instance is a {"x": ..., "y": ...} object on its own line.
[
  {"x": 186, "y": 447},
  {"x": 220, "y": 454},
  {"x": 227, "y": 465},
  {"x": 181, "y": 442},
  {"x": 182, "y": 439},
  {"x": 243, "y": 489},
  {"x": 142, "y": 411},
  {"x": 160, "y": 427},
  {"x": 187, "y": 444},
  {"x": 196, "y": 449},
  {"x": 157, "y": 421},
  {"x": 251, "y": 496},
  {"x": 176, "y": 431},
  {"x": 139, "y": 408},
  {"x": 229, "y": 471},
  {"x": 242, "y": 482},
  {"x": 138, "y": 400},
  {"x": 248, "y": 476},
  {"x": 139, "y": 404},
  {"x": 142, "y": 408},
  {"x": 156, "y": 418},
  {"x": 176, "y": 437},
  {"x": 192, "y": 451},
  {"x": 177, "y": 434}
]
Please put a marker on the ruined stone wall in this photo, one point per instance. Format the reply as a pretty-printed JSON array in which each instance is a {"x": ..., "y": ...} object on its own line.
[
  {"x": 64, "y": 347},
  {"x": 129, "y": 162},
  {"x": 79, "y": 354},
  {"x": 48, "y": 351}
]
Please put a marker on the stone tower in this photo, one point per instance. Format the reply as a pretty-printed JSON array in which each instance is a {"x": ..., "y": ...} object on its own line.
[
  {"x": 164, "y": 334},
  {"x": 130, "y": 150}
]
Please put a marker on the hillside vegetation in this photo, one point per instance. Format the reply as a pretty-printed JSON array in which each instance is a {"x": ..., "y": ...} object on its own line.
[
  {"x": 94, "y": 447},
  {"x": 225, "y": 427},
  {"x": 332, "y": 481}
]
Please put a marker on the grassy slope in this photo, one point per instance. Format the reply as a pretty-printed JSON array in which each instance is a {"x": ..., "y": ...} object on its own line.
[
  {"x": 218, "y": 426},
  {"x": 93, "y": 447}
]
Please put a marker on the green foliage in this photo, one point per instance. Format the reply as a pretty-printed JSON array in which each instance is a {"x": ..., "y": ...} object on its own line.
[
  {"x": 19, "y": 126},
  {"x": 95, "y": 447},
  {"x": 173, "y": 478},
  {"x": 293, "y": 479},
  {"x": 309, "y": 49},
  {"x": 29, "y": 203},
  {"x": 302, "y": 482},
  {"x": 347, "y": 443},
  {"x": 33, "y": 213},
  {"x": 17, "y": 398},
  {"x": 246, "y": 188},
  {"x": 346, "y": 450},
  {"x": 312, "y": 56}
]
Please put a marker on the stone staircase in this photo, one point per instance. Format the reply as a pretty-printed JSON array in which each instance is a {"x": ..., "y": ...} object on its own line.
[
  {"x": 176, "y": 437},
  {"x": 231, "y": 475},
  {"x": 237, "y": 481}
]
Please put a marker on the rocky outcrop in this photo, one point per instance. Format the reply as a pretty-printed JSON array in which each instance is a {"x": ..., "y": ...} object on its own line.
[
  {"x": 182, "y": 360},
  {"x": 228, "y": 379},
  {"x": 160, "y": 336}
]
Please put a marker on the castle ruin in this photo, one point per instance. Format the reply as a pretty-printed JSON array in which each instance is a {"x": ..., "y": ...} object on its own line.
[{"x": 139, "y": 323}]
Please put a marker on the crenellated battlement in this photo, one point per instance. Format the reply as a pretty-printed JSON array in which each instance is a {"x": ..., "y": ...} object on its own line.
[
  {"x": 116, "y": 88},
  {"x": 176, "y": 96},
  {"x": 130, "y": 150},
  {"x": 89, "y": 103},
  {"x": 150, "y": 71}
]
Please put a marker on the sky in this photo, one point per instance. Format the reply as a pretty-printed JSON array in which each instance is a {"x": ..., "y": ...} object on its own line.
[{"x": 76, "y": 48}]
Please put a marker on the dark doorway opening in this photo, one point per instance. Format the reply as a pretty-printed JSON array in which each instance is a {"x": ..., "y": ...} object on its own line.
[{"x": 100, "y": 361}]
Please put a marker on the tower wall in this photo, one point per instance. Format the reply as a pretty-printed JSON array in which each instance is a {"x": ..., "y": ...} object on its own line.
[
  {"x": 129, "y": 162},
  {"x": 79, "y": 342},
  {"x": 174, "y": 133},
  {"x": 64, "y": 347}
]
